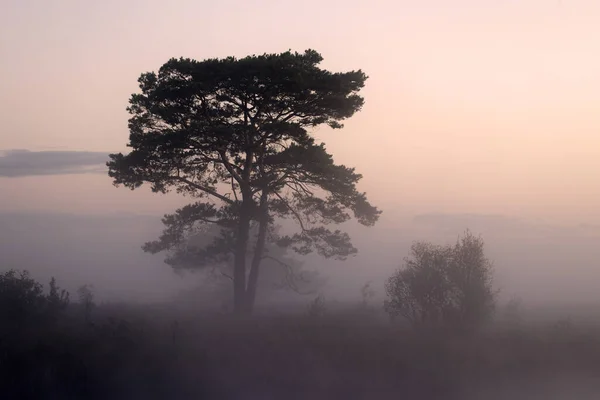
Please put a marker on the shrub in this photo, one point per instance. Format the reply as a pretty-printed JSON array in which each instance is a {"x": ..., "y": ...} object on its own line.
[
  {"x": 23, "y": 302},
  {"x": 46, "y": 354},
  {"x": 447, "y": 286}
]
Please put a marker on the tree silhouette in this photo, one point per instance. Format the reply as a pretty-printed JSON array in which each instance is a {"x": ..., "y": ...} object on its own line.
[{"x": 234, "y": 133}]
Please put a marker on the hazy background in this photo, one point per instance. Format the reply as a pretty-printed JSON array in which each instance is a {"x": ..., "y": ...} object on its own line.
[{"x": 479, "y": 114}]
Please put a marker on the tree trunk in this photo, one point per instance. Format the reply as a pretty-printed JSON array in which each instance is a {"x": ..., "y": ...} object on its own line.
[
  {"x": 258, "y": 253},
  {"x": 239, "y": 263}
]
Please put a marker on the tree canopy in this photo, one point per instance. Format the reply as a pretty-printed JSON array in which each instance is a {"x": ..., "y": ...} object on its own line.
[{"x": 234, "y": 134}]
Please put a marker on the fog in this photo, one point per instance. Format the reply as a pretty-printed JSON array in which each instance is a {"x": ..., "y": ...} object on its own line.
[
  {"x": 543, "y": 264},
  {"x": 347, "y": 350}
]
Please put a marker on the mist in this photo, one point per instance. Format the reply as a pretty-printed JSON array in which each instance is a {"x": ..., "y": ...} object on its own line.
[
  {"x": 541, "y": 263},
  {"x": 182, "y": 320}
]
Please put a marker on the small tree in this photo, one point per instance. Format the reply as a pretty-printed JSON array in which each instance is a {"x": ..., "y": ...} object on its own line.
[
  {"x": 443, "y": 285},
  {"x": 22, "y": 299},
  {"x": 58, "y": 299},
  {"x": 420, "y": 291},
  {"x": 23, "y": 302},
  {"x": 86, "y": 298},
  {"x": 234, "y": 133},
  {"x": 470, "y": 276},
  {"x": 367, "y": 293}
]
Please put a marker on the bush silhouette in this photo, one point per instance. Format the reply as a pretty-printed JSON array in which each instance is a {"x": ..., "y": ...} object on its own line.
[
  {"x": 448, "y": 286},
  {"x": 48, "y": 352}
]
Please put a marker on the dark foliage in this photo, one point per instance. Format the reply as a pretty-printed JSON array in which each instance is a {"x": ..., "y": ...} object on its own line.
[
  {"x": 48, "y": 350},
  {"x": 23, "y": 303}
]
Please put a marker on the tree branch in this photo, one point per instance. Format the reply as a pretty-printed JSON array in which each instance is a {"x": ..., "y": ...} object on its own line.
[
  {"x": 227, "y": 276},
  {"x": 227, "y": 164},
  {"x": 290, "y": 277},
  {"x": 300, "y": 222},
  {"x": 233, "y": 190},
  {"x": 204, "y": 189}
]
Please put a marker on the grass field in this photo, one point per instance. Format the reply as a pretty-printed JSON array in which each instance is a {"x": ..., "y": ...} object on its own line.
[{"x": 143, "y": 352}]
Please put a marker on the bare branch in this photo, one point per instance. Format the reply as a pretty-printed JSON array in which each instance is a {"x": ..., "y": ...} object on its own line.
[
  {"x": 298, "y": 218},
  {"x": 291, "y": 278},
  {"x": 227, "y": 276}
]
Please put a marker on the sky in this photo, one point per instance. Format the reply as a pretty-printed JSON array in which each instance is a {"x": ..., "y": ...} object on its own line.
[{"x": 472, "y": 106}]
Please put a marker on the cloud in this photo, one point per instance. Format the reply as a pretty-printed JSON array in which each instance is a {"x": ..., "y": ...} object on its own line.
[{"x": 21, "y": 163}]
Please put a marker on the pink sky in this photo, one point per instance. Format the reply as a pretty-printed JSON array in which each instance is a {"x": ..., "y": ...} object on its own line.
[{"x": 485, "y": 106}]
